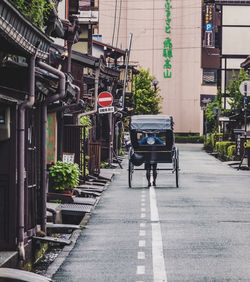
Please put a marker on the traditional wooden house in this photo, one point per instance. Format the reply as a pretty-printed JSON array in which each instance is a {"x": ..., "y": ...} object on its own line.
[
  {"x": 21, "y": 46},
  {"x": 32, "y": 92}
]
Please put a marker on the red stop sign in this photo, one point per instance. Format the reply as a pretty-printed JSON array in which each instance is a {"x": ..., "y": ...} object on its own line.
[{"x": 105, "y": 99}]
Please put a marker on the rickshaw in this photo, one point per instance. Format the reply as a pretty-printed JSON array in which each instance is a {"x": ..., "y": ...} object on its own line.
[{"x": 152, "y": 142}]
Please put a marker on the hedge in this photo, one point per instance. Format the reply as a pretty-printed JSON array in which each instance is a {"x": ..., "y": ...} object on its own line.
[
  {"x": 189, "y": 139},
  {"x": 211, "y": 140},
  {"x": 221, "y": 148},
  {"x": 231, "y": 151}
]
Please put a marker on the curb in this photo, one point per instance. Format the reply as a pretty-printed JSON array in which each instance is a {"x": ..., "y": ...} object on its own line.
[
  {"x": 56, "y": 264},
  {"x": 59, "y": 260}
]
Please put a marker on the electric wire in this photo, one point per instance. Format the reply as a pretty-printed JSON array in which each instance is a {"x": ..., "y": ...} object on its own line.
[
  {"x": 119, "y": 22},
  {"x": 114, "y": 25}
]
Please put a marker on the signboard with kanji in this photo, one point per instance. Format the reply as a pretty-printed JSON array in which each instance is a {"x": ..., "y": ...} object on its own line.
[
  {"x": 106, "y": 110},
  {"x": 68, "y": 158},
  {"x": 167, "y": 44}
]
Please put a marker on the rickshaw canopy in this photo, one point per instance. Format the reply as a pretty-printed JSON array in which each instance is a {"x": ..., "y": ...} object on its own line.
[{"x": 151, "y": 122}]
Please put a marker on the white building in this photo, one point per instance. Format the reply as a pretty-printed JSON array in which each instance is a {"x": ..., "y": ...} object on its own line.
[{"x": 150, "y": 22}]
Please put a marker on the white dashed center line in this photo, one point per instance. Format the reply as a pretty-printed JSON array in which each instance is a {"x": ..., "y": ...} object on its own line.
[
  {"x": 142, "y": 243},
  {"x": 159, "y": 270},
  {"x": 140, "y": 270},
  {"x": 142, "y": 233},
  {"x": 141, "y": 255}
]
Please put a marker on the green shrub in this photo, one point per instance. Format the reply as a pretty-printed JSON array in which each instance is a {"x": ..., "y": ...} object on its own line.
[
  {"x": 37, "y": 11},
  {"x": 63, "y": 176},
  {"x": 221, "y": 148},
  {"x": 189, "y": 139},
  {"x": 211, "y": 139},
  {"x": 215, "y": 137},
  {"x": 104, "y": 165},
  {"x": 231, "y": 150}
]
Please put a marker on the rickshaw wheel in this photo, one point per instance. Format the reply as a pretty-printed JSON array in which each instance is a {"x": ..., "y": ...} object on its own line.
[
  {"x": 130, "y": 173},
  {"x": 176, "y": 164}
]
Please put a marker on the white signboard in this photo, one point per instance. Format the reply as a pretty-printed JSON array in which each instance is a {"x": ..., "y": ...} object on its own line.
[
  {"x": 68, "y": 158},
  {"x": 245, "y": 87},
  {"x": 106, "y": 110}
]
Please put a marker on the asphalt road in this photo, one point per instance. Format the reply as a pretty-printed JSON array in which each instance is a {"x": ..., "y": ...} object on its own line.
[{"x": 198, "y": 232}]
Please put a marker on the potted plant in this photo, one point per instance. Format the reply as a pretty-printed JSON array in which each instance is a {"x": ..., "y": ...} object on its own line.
[{"x": 63, "y": 177}]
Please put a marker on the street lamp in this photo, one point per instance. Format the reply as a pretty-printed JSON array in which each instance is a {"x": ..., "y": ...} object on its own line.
[{"x": 155, "y": 82}]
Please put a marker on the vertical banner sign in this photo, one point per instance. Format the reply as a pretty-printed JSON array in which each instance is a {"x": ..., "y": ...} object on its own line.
[
  {"x": 167, "y": 48},
  {"x": 209, "y": 11}
]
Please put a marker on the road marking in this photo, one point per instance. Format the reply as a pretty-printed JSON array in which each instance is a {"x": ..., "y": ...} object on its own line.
[
  {"x": 142, "y": 225},
  {"x": 142, "y": 243},
  {"x": 143, "y": 200},
  {"x": 140, "y": 270},
  {"x": 141, "y": 255},
  {"x": 142, "y": 233},
  {"x": 157, "y": 246},
  {"x": 143, "y": 209},
  {"x": 143, "y": 215}
]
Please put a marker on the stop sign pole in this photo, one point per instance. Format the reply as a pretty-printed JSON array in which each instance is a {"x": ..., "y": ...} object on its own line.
[
  {"x": 105, "y": 100},
  {"x": 245, "y": 90}
]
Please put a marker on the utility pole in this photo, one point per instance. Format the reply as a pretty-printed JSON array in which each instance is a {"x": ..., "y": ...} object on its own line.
[{"x": 126, "y": 69}]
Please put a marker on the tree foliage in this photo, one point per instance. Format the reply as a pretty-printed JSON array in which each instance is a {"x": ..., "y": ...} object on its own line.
[
  {"x": 236, "y": 98},
  {"x": 37, "y": 11},
  {"x": 147, "y": 99},
  {"x": 235, "y": 101},
  {"x": 211, "y": 114}
]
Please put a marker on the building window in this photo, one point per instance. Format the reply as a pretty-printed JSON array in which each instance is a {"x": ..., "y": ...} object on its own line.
[{"x": 209, "y": 77}]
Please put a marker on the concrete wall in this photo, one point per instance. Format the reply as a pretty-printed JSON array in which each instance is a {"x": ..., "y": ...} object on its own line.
[{"x": 146, "y": 20}]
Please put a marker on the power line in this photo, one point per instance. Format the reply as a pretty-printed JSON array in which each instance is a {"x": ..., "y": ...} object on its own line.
[
  {"x": 160, "y": 49},
  {"x": 155, "y": 9},
  {"x": 114, "y": 25},
  {"x": 146, "y": 19},
  {"x": 119, "y": 22}
]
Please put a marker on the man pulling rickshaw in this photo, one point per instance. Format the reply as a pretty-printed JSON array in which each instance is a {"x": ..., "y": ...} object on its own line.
[{"x": 152, "y": 142}]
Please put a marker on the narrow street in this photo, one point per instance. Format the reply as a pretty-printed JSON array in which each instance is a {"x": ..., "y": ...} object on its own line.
[{"x": 198, "y": 232}]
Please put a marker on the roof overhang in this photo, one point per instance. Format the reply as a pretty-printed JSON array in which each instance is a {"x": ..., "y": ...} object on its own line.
[
  {"x": 19, "y": 36},
  {"x": 111, "y": 51},
  {"x": 246, "y": 63}
]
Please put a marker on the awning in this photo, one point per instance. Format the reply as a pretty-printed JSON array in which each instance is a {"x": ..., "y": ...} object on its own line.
[
  {"x": 246, "y": 63},
  {"x": 8, "y": 99},
  {"x": 111, "y": 51},
  {"x": 151, "y": 122}
]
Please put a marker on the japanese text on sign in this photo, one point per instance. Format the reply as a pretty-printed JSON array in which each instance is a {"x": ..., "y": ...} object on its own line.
[
  {"x": 209, "y": 11},
  {"x": 106, "y": 110},
  {"x": 167, "y": 48},
  {"x": 68, "y": 158}
]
